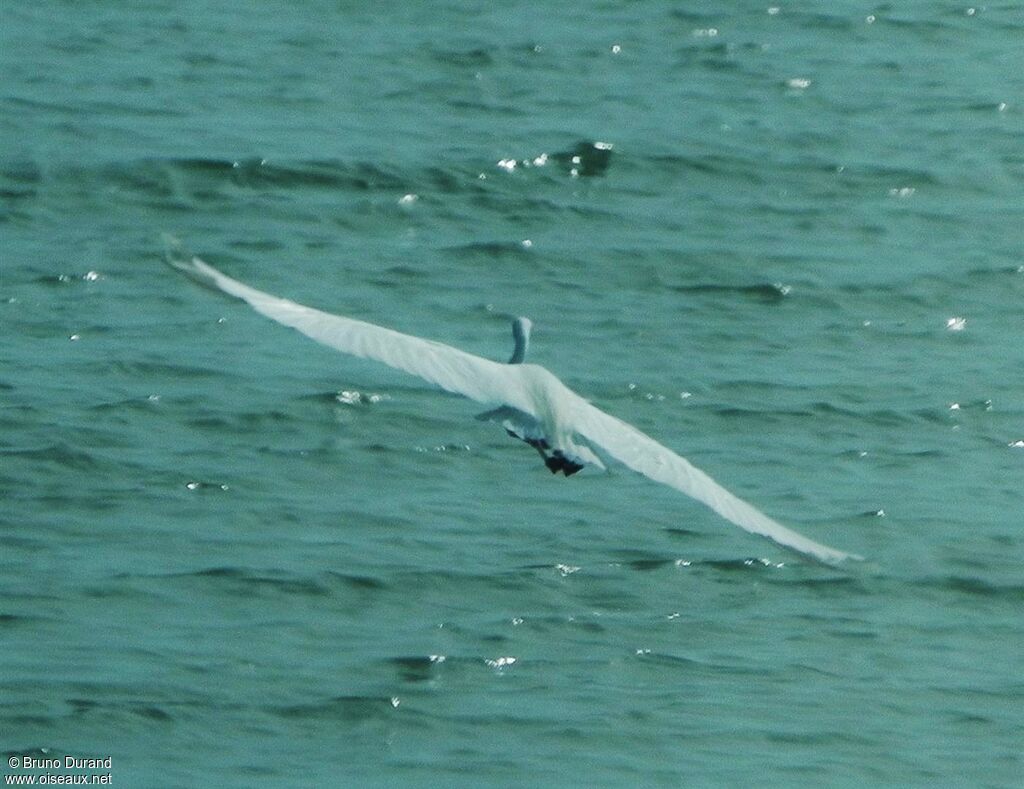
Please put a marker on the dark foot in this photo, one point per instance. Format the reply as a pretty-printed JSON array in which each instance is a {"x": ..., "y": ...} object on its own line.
[
  {"x": 559, "y": 462},
  {"x": 570, "y": 468}
]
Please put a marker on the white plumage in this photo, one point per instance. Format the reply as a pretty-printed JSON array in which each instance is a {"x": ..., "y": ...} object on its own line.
[{"x": 530, "y": 402}]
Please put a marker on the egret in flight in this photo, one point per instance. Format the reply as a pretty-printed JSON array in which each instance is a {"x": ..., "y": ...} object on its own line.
[{"x": 527, "y": 400}]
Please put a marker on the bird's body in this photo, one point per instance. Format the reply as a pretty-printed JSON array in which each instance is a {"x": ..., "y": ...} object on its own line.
[{"x": 530, "y": 402}]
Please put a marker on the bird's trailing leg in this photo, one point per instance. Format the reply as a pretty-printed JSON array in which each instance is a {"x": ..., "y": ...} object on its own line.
[
  {"x": 559, "y": 462},
  {"x": 556, "y": 461}
]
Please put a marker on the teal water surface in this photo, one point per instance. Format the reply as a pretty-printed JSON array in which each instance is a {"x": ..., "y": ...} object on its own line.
[{"x": 784, "y": 241}]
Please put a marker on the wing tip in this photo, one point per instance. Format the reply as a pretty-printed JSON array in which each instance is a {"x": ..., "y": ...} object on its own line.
[
  {"x": 180, "y": 259},
  {"x": 832, "y": 556}
]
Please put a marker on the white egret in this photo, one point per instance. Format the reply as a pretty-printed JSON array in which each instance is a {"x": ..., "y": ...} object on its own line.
[{"x": 531, "y": 403}]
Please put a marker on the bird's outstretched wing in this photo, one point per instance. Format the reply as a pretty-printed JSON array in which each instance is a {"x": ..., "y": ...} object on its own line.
[
  {"x": 643, "y": 454},
  {"x": 500, "y": 384},
  {"x": 453, "y": 370}
]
